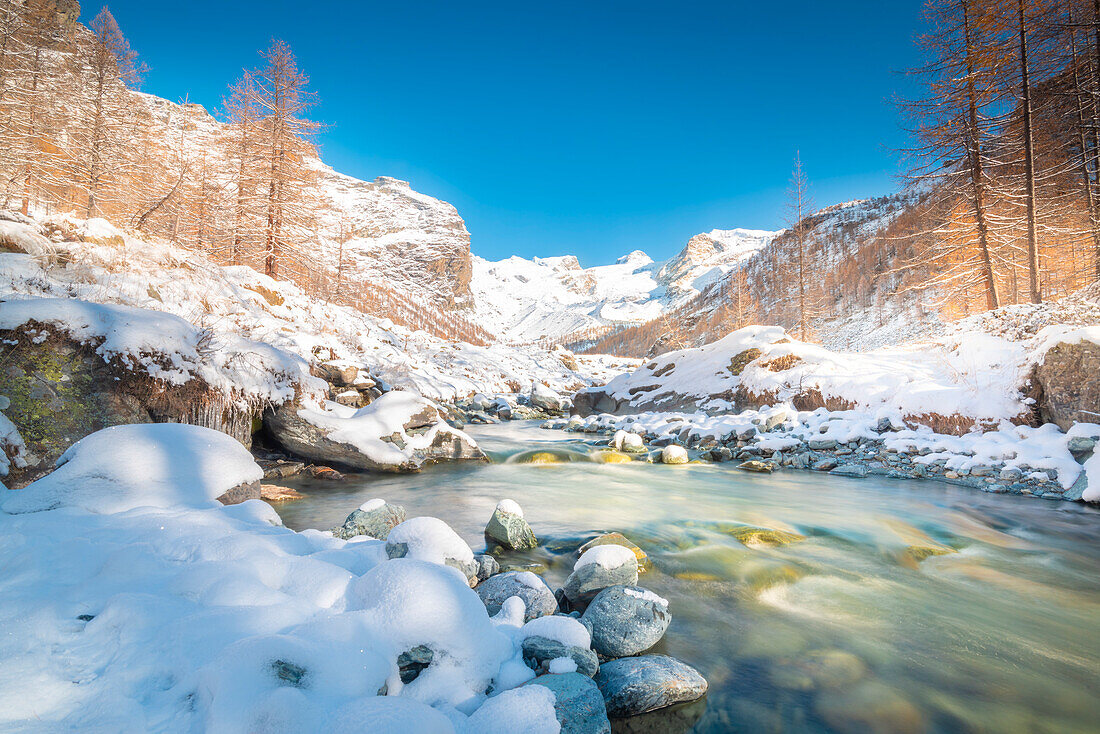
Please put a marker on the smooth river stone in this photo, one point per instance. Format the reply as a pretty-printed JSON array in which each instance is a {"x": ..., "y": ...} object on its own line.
[
  {"x": 510, "y": 530},
  {"x": 536, "y": 595},
  {"x": 589, "y": 580},
  {"x": 578, "y": 704},
  {"x": 632, "y": 686},
  {"x": 374, "y": 523},
  {"x": 625, "y": 620}
]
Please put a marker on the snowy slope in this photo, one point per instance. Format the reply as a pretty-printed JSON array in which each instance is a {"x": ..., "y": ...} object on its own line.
[
  {"x": 523, "y": 300},
  {"x": 240, "y": 306}
]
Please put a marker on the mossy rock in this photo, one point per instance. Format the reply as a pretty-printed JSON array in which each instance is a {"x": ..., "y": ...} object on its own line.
[
  {"x": 914, "y": 554},
  {"x": 612, "y": 457},
  {"x": 543, "y": 457},
  {"x": 755, "y": 537},
  {"x": 742, "y": 359},
  {"x": 61, "y": 390}
]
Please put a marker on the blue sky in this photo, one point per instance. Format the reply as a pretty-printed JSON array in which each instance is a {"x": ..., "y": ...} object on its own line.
[{"x": 592, "y": 128}]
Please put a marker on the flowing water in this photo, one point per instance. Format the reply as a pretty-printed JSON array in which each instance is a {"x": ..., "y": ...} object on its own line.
[{"x": 880, "y": 606}]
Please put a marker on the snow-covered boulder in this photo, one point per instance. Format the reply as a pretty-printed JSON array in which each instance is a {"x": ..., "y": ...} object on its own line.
[
  {"x": 152, "y": 465},
  {"x": 674, "y": 454},
  {"x": 543, "y": 398},
  {"x": 430, "y": 539},
  {"x": 598, "y": 568},
  {"x": 400, "y": 431},
  {"x": 374, "y": 519},
  {"x": 537, "y": 598}
]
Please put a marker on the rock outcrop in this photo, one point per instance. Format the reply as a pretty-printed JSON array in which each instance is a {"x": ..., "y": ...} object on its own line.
[
  {"x": 60, "y": 390},
  {"x": 1068, "y": 378}
]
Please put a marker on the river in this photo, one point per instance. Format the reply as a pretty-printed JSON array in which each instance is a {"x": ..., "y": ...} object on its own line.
[{"x": 880, "y": 605}]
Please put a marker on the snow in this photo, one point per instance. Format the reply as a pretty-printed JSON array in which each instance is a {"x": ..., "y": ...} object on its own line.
[
  {"x": 608, "y": 556},
  {"x": 389, "y": 714},
  {"x": 247, "y": 329},
  {"x": 529, "y": 709},
  {"x": 372, "y": 504},
  {"x": 430, "y": 539},
  {"x": 1092, "y": 476},
  {"x": 13, "y": 450},
  {"x": 364, "y": 428},
  {"x": 126, "y": 467},
  {"x": 566, "y": 630},
  {"x": 550, "y": 297},
  {"x": 972, "y": 374},
  {"x": 673, "y": 454},
  {"x": 559, "y": 666},
  {"x": 511, "y": 507},
  {"x": 626, "y": 440},
  {"x": 530, "y": 580},
  {"x": 646, "y": 594}
]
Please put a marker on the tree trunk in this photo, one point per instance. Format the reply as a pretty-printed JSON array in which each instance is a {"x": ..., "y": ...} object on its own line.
[
  {"x": 977, "y": 176},
  {"x": 1029, "y": 163}
]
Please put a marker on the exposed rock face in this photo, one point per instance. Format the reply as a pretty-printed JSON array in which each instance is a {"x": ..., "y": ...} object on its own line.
[
  {"x": 1069, "y": 378},
  {"x": 400, "y": 236},
  {"x": 707, "y": 257},
  {"x": 60, "y": 391}
]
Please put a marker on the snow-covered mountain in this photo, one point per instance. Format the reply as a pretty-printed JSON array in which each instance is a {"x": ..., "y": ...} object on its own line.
[{"x": 523, "y": 300}]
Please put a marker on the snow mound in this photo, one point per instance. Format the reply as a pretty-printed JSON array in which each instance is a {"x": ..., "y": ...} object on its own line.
[
  {"x": 608, "y": 556},
  {"x": 148, "y": 465},
  {"x": 566, "y": 630},
  {"x": 529, "y": 709},
  {"x": 511, "y": 507},
  {"x": 430, "y": 539}
]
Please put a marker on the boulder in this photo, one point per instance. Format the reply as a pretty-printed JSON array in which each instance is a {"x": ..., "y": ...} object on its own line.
[
  {"x": 60, "y": 390},
  {"x": 538, "y": 652},
  {"x": 400, "y": 431},
  {"x": 536, "y": 595},
  {"x": 487, "y": 566},
  {"x": 508, "y": 529},
  {"x": 599, "y": 568},
  {"x": 430, "y": 539},
  {"x": 543, "y": 398},
  {"x": 632, "y": 686},
  {"x": 673, "y": 454},
  {"x": 1069, "y": 382},
  {"x": 626, "y": 620},
  {"x": 577, "y": 702},
  {"x": 754, "y": 465},
  {"x": 593, "y": 401},
  {"x": 850, "y": 470},
  {"x": 619, "y": 539},
  {"x": 375, "y": 518}
]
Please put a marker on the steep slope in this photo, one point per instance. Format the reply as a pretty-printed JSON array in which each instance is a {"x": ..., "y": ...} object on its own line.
[{"x": 525, "y": 300}]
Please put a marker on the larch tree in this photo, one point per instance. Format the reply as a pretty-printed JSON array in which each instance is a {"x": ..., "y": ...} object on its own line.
[
  {"x": 799, "y": 206},
  {"x": 279, "y": 95}
]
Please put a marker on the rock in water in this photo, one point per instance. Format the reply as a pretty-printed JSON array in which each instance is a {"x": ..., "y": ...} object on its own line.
[
  {"x": 534, "y": 592},
  {"x": 375, "y": 518},
  {"x": 539, "y": 652},
  {"x": 544, "y": 398},
  {"x": 626, "y": 620},
  {"x": 599, "y": 568},
  {"x": 619, "y": 539},
  {"x": 850, "y": 470},
  {"x": 577, "y": 703},
  {"x": 869, "y": 707},
  {"x": 755, "y": 465},
  {"x": 673, "y": 454},
  {"x": 508, "y": 528},
  {"x": 632, "y": 686},
  {"x": 487, "y": 566}
]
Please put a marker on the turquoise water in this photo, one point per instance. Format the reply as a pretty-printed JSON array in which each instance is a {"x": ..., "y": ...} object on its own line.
[{"x": 879, "y": 606}]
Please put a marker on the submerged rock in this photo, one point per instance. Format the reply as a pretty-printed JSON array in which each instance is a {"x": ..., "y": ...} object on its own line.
[
  {"x": 632, "y": 686},
  {"x": 817, "y": 670},
  {"x": 626, "y": 620},
  {"x": 375, "y": 518},
  {"x": 577, "y": 702},
  {"x": 869, "y": 707},
  {"x": 539, "y": 652},
  {"x": 507, "y": 527},
  {"x": 532, "y": 590}
]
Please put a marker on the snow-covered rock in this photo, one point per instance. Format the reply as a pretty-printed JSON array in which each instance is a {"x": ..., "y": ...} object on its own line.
[
  {"x": 400, "y": 431},
  {"x": 154, "y": 465},
  {"x": 430, "y": 539}
]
